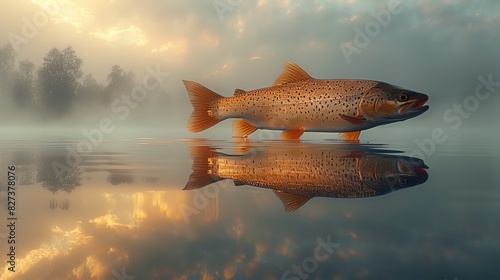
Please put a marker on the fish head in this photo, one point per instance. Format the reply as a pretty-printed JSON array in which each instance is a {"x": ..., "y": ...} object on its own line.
[
  {"x": 389, "y": 173},
  {"x": 387, "y": 103}
]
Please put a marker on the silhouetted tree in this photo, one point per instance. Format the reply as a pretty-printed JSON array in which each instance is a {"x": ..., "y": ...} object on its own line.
[
  {"x": 90, "y": 91},
  {"x": 59, "y": 80},
  {"x": 26, "y": 164},
  {"x": 116, "y": 76},
  {"x": 7, "y": 60},
  {"x": 24, "y": 84},
  {"x": 119, "y": 82}
]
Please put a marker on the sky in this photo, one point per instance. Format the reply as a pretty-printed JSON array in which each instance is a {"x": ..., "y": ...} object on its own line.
[{"x": 440, "y": 48}]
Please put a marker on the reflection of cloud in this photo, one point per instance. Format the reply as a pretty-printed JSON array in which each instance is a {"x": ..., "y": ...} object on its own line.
[
  {"x": 93, "y": 266},
  {"x": 130, "y": 210},
  {"x": 62, "y": 243},
  {"x": 120, "y": 216}
]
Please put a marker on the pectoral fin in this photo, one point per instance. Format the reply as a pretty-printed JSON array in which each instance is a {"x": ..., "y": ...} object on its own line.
[
  {"x": 292, "y": 134},
  {"x": 350, "y": 136},
  {"x": 354, "y": 120},
  {"x": 242, "y": 128},
  {"x": 291, "y": 201}
]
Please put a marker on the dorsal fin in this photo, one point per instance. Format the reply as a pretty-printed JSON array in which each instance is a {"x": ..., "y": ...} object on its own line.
[
  {"x": 291, "y": 201},
  {"x": 291, "y": 73},
  {"x": 239, "y": 91}
]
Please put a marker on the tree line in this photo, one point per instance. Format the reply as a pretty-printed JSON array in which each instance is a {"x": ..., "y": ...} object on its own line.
[{"x": 54, "y": 88}]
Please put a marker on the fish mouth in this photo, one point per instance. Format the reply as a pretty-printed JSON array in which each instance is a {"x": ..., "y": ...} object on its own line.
[
  {"x": 413, "y": 108},
  {"x": 421, "y": 171}
]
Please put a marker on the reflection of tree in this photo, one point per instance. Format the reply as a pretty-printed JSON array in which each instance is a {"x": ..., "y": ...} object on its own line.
[
  {"x": 69, "y": 177},
  {"x": 54, "y": 204},
  {"x": 25, "y": 162},
  {"x": 150, "y": 179},
  {"x": 120, "y": 178}
]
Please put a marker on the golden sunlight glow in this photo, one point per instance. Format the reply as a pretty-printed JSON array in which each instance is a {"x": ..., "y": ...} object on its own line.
[
  {"x": 123, "y": 216},
  {"x": 61, "y": 244},
  {"x": 210, "y": 39},
  {"x": 129, "y": 210},
  {"x": 176, "y": 48},
  {"x": 128, "y": 35},
  {"x": 167, "y": 201},
  {"x": 229, "y": 271},
  {"x": 64, "y": 11},
  {"x": 95, "y": 268},
  {"x": 126, "y": 211}
]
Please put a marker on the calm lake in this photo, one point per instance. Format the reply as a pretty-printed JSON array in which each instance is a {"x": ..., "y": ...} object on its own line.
[{"x": 156, "y": 208}]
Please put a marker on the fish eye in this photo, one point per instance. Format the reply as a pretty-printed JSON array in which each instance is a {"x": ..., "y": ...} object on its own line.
[
  {"x": 402, "y": 97},
  {"x": 402, "y": 181}
]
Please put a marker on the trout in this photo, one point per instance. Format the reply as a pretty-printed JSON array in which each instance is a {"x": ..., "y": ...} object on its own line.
[
  {"x": 297, "y": 173},
  {"x": 297, "y": 103}
]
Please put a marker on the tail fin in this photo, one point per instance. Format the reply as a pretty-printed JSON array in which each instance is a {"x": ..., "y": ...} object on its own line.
[
  {"x": 201, "y": 99},
  {"x": 202, "y": 166}
]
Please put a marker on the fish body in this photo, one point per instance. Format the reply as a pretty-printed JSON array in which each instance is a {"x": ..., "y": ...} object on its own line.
[
  {"x": 300, "y": 172},
  {"x": 297, "y": 103}
]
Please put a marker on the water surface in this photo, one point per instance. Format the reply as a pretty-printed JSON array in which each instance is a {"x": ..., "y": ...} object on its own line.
[{"x": 117, "y": 209}]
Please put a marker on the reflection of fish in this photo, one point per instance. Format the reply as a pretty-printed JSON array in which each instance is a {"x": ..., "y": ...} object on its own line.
[
  {"x": 297, "y": 102},
  {"x": 302, "y": 171}
]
